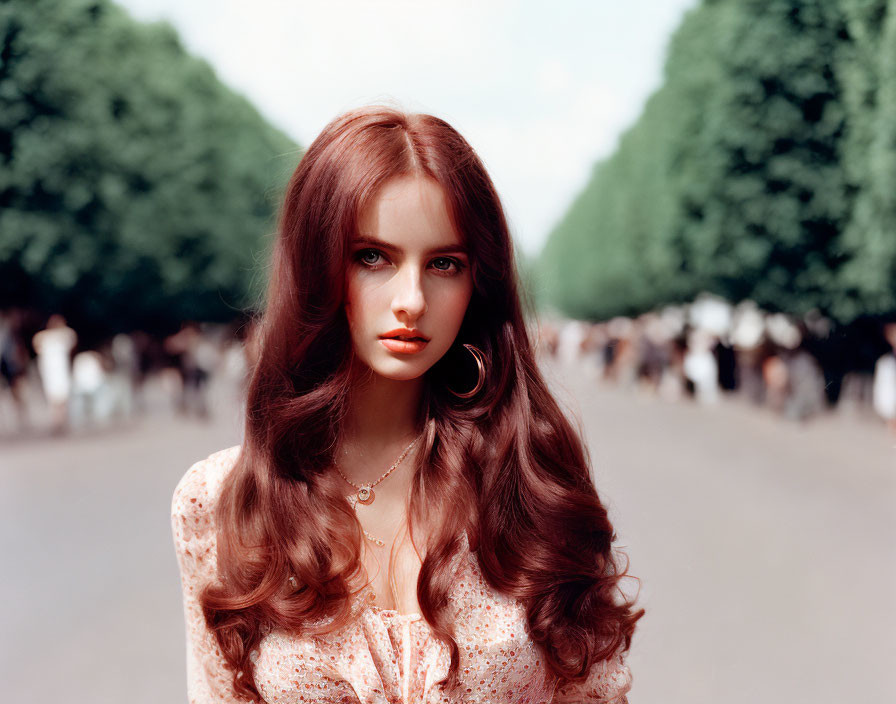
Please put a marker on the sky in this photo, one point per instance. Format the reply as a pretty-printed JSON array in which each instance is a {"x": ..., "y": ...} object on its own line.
[{"x": 541, "y": 90}]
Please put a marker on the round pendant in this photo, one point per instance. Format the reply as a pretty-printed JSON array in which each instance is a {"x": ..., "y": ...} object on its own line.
[{"x": 366, "y": 495}]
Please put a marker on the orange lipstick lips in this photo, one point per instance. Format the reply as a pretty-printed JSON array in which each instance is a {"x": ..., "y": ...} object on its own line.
[
  {"x": 404, "y": 341},
  {"x": 403, "y": 346}
]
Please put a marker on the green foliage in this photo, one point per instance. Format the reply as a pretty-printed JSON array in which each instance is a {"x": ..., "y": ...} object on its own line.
[
  {"x": 135, "y": 189},
  {"x": 763, "y": 168},
  {"x": 867, "y": 283}
]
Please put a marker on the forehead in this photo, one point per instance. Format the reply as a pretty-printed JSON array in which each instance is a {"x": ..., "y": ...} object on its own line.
[{"x": 409, "y": 212}]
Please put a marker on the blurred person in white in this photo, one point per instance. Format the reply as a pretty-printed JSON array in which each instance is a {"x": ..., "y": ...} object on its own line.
[
  {"x": 884, "y": 391},
  {"x": 54, "y": 346},
  {"x": 700, "y": 366},
  {"x": 97, "y": 397},
  {"x": 479, "y": 566}
]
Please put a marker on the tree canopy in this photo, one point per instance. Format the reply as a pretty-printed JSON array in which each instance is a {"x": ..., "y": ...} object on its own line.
[
  {"x": 764, "y": 167},
  {"x": 136, "y": 190}
]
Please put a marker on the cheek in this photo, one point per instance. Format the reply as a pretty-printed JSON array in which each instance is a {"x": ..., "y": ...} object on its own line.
[{"x": 363, "y": 302}]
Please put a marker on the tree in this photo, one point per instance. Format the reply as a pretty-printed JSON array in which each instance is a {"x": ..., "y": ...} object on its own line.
[
  {"x": 136, "y": 189},
  {"x": 867, "y": 283},
  {"x": 763, "y": 168}
]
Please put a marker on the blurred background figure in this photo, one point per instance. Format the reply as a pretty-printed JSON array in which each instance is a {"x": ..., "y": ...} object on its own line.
[
  {"x": 807, "y": 397},
  {"x": 237, "y": 354},
  {"x": 13, "y": 365},
  {"x": 885, "y": 380},
  {"x": 782, "y": 336},
  {"x": 776, "y": 382},
  {"x": 621, "y": 353},
  {"x": 748, "y": 338},
  {"x": 53, "y": 347},
  {"x": 90, "y": 394},
  {"x": 592, "y": 349},
  {"x": 126, "y": 373},
  {"x": 196, "y": 357},
  {"x": 651, "y": 352},
  {"x": 149, "y": 356},
  {"x": 700, "y": 366},
  {"x": 571, "y": 339}
]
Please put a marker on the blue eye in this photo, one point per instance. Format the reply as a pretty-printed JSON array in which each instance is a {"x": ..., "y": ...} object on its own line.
[{"x": 368, "y": 257}]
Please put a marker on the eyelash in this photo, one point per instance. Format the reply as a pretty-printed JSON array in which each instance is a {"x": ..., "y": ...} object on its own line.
[{"x": 458, "y": 265}]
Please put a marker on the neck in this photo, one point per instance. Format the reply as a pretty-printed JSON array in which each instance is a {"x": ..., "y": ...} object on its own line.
[{"x": 380, "y": 423}]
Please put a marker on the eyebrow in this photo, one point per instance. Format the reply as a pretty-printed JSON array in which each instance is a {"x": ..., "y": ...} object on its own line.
[{"x": 450, "y": 249}]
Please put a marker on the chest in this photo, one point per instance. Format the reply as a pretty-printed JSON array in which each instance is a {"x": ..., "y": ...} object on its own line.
[
  {"x": 393, "y": 572},
  {"x": 390, "y": 558},
  {"x": 384, "y": 656}
]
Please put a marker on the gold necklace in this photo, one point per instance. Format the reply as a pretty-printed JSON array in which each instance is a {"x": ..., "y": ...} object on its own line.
[
  {"x": 365, "y": 494},
  {"x": 353, "y": 500}
]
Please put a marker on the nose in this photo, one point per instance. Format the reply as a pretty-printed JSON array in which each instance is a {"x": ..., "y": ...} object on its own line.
[{"x": 409, "y": 300}]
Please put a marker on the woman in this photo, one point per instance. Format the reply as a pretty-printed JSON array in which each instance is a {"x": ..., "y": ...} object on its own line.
[{"x": 411, "y": 517}]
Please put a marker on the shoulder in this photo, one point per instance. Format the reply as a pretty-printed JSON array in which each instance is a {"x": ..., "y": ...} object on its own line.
[
  {"x": 199, "y": 488},
  {"x": 193, "y": 503}
]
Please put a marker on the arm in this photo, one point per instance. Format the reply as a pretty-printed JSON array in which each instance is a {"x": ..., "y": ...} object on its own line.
[
  {"x": 209, "y": 680},
  {"x": 608, "y": 682}
]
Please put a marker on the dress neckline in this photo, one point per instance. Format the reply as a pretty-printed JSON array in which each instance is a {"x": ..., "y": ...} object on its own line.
[{"x": 367, "y": 595}]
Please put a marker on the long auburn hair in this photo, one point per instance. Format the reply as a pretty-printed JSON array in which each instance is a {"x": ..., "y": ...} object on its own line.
[{"x": 506, "y": 466}]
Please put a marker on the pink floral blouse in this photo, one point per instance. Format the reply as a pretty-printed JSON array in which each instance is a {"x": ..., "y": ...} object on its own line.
[{"x": 382, "y": 656}]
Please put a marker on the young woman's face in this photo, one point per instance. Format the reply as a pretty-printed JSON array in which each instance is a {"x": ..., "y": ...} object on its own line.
[{"x": 408, "y": 277}]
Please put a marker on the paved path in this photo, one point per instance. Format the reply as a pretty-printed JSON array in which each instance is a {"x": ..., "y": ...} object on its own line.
[
  {"x": 765, "y": 551},
  {"x": 91, "y": 585}
]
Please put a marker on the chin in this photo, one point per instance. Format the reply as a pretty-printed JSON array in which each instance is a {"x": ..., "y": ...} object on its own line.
[
  {"x": 407, "y": 372},
  {"x": 399, "y": 367}
]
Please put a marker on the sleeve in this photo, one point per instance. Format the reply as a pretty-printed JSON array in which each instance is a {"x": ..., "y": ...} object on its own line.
[
  {"x": 608, "y": 682},
  {"x": 209, "y": 679}
]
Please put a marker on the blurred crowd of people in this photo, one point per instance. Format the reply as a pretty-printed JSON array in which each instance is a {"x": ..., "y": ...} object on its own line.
[
  {"x": 798, "y": 367},
  {"x": 51, "y": 380}
]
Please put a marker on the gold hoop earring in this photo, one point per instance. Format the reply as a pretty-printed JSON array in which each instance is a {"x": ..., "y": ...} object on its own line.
[{"x": 480, "y": 364}]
